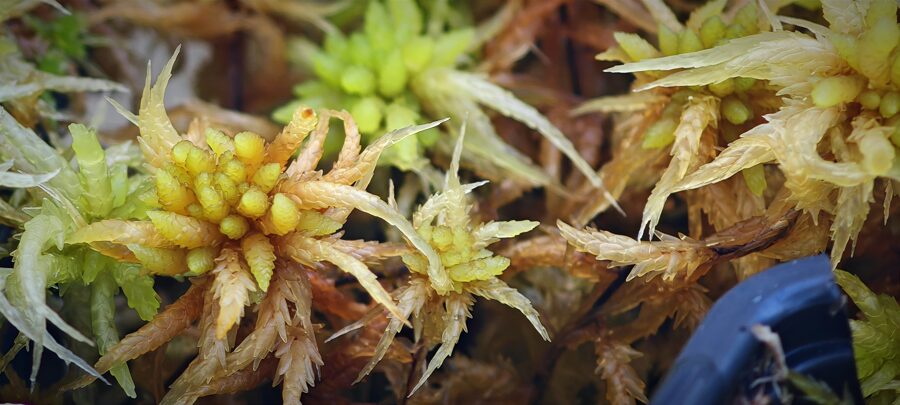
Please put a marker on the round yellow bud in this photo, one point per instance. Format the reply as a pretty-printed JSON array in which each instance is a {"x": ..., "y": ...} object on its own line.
[
  {"x": 250, "y": 148},
  {"x": 266, "y": 177},
  {"x": 253, "y": 203},
  {"x": 180, "y": 152},
  {"x": 283, "y": 215},
  {"x": 201, "y": 260},
  {"x": 234, "y": 226}
]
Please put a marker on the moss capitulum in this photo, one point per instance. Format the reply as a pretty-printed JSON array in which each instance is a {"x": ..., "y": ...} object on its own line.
[{"x": 226, "y": 190}]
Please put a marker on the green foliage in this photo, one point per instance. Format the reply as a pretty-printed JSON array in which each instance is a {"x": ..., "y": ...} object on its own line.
[
  {"x": 876, "y": 341},
  {"x": 440, "y": 300},
  {"x": 370, "y": 68},
  {"x": 137, "y": 286},
  {"x": 406, "y": 65},
  {"x": 103, "y": 322},
  {"x": 22, "y": 83},
  {"x": 816, "y": 391},
  {"x": 260, "y": 233},
  {"x": 65, "y": 37},
  {"x": 94, "y": 171},
  {"x": 62, "y": 201}
]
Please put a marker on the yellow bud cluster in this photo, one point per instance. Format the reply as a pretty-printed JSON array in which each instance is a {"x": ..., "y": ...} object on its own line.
[
  {"x": 704, "y": 30},
  {"x": 707, "y": 31},
  {"x": 220, "y": 190},
  {"x": 455, "y": 248},
  {"x": 230, "y": 177}
]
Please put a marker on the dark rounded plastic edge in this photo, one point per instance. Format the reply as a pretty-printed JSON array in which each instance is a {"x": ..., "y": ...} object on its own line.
[{"x": 799, "y": 301}]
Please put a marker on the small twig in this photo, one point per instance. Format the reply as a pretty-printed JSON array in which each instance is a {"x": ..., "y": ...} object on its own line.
[
  {"x": 19, "y": 343},
  {"x": 411, "y": 378}
]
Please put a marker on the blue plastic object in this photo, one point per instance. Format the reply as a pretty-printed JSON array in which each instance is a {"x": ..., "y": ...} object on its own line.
[{"x": 799, "y": 301}]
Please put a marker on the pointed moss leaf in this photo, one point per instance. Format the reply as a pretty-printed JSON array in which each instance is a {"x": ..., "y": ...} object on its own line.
[
  {"x": 783, "y": 57},
  {"x": 21, "y": 321},
  {"x": 158, "y": 136},
  {"x": 485, "y": 150},
  {"x": 876, "y": 344},
  {"x": 138, "y": 289},
  {"x": 23, "y": 180},
  {"x": 479, "y": 88},
  {"x": 103, "y": 323},
  {"x": 30, "y": 154}
]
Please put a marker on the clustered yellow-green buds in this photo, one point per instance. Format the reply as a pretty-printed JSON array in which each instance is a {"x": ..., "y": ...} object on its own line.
[
  {"x": 714, "y": 31},
  {"x": 871, "y": 54},
  {"x": 370, "y": 70},
  {"x": 710, "y": 32},
  {"x": 209, "y": 186},
  {"x": 226, "y": 190},
  {"x": 662, "y": 132},
  {"x": 874, "y": 83},
  {"x": 456, "y": 248},
  {"x": 706, "y": 29}
]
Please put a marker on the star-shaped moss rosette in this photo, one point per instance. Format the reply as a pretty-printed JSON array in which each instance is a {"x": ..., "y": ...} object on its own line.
[
  {"x": 686, "y": 122},
  {"x": 837, "y": 128},
  {"x": 239, "y": 209},
  {"x": 405, "y": 64},
  {"x": 47, "y": 208},
  {"x": 439, "y": 317}
]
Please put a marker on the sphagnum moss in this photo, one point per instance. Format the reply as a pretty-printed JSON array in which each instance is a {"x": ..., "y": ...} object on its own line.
[
  {"x": 686, "y": 120},
  {"x": 394, "y": 76},
  {"x": 831, "y": 134},
  {"x": 244, "y": 223},
  {"x": 824, "y": 118},
  {"x": 439, "y": 317},
  {"x": 876, "y": 345},
  {"x": 61, "y": 199},
  {"x": 240, "y": 210}
]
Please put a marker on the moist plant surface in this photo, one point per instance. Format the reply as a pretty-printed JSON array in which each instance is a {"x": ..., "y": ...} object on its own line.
[{"x": 400, "y": 201}]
